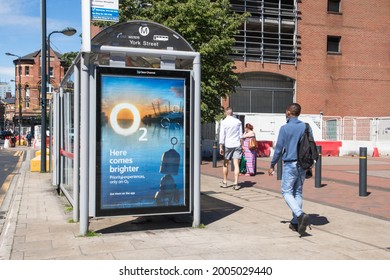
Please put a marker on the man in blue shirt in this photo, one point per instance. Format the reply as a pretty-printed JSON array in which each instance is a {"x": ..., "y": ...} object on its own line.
[
  {"x": 292, "y": 176},
  {"x": 230, "y": 146}
]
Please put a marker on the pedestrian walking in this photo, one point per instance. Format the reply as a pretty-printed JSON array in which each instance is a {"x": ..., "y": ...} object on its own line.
[
  {"x": 293, "y": 177},
  {"x": 249, "y": 151},
  {"x": 230, "y": 146},
  {"x": 29, "y": 137}
]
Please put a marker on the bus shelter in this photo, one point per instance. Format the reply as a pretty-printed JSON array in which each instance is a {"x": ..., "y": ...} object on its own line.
[{"x": 126, "y": 125}]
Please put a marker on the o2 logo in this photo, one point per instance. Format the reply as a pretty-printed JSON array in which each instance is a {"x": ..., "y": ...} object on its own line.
[{"x": 134, "y": 126}]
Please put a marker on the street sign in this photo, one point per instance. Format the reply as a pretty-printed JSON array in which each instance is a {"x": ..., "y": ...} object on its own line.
[{"x": 105, "y": 10}]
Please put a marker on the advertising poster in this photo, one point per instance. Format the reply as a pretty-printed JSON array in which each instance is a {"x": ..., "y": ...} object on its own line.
[{"x": 142, "y": 147}]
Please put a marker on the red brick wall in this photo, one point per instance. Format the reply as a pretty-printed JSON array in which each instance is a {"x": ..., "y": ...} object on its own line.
[
  {"x": 357, "y": 82},
  {"x": 283, "y": 69},
  {"x": 31, "y": 80}
]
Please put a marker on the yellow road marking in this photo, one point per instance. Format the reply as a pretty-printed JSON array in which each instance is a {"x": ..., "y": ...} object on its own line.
[{"x": 8, "y": 180}]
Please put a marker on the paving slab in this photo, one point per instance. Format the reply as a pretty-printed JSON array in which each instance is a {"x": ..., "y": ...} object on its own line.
[{"x": 248, "y": 224}]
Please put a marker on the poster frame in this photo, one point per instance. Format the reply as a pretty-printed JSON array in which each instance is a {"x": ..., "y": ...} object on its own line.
[{"x": 186, "y": 75}]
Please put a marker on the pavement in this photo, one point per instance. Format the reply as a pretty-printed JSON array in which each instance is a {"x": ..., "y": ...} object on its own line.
[{"x": 246, "y": 224}]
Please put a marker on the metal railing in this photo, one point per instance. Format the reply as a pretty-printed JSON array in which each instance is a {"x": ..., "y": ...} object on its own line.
[{"x": 356, "y": 128}]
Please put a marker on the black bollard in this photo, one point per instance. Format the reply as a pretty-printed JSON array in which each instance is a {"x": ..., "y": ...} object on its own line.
[
  {"x": 215, "y": 150},
  {"x": 279, "y": 169},
  {"x": 363, "y": 171},
  {"x": 318, "y": 168}
]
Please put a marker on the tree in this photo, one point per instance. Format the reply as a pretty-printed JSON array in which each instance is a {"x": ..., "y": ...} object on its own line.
[
  {"x": 209, "y": 26},
  {"x": 69, "y": 57}
]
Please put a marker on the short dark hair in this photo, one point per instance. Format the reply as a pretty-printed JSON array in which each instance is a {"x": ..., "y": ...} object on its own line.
[
  {"x": 295, "y": 109},
  {"x": 229, "y": 111}
]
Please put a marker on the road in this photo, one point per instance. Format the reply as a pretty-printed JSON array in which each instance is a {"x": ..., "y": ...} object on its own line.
[{"x": 10, "y": 161}]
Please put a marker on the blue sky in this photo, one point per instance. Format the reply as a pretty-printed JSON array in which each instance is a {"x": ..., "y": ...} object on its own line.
[{"x": 20, "y": 29}]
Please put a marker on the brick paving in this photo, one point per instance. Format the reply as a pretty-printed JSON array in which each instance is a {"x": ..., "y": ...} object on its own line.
[{"x": 340, "y": 183}]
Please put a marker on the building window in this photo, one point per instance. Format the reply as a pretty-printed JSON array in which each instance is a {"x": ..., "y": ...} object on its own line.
[
  {"x": 333, "y": 44},
  {"x": 51, "y": 72},
  {"x": 49, "y": 88},
  {"x": 269, "y": 34},
  {"x": 27, "y": 101},
  {"x": 27, "y": 70},
  {"x": 334, "y": 6}
]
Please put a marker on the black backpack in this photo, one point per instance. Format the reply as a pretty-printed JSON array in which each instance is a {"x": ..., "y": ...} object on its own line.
[{"x": 307, "y": 150}]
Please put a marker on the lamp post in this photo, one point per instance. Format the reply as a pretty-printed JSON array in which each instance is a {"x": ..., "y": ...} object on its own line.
[
  {"x": 13, "y": 123},
  {"x": 43, "y": 85},
  {"x": 20, "y": 93},
  {"x": 68, "y": 31}
]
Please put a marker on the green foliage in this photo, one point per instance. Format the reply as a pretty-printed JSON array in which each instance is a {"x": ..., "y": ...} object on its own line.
[
  {"x": 69, "y": 57},
  {"x": 209, "y": 26},
  {"x": 68, "y": 208},
  {"x": 90, "y": 234}
]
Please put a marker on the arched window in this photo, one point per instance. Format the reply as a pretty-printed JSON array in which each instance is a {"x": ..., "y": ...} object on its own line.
[{"x": 27, "y": 99}]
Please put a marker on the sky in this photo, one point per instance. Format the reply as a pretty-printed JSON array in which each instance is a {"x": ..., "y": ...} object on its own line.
[{"x": 21, "y": 32}]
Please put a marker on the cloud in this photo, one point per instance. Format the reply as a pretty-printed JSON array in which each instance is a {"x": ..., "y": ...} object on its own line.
[
  {"x": 13, "y": 13},
  {"x": 7, "y": 72},
  {"x": 18, "y": 14},
  {"x": 19, "y": 21},
  {"x": 179, "y": 92}
]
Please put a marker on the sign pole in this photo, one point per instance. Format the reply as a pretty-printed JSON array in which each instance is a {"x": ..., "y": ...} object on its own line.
[
  {"x": 86, "y": 25},
  {"x": 84, "y": 115},
  {"x": 197, "y": 137},
  {"x": 43, "y": 88}
]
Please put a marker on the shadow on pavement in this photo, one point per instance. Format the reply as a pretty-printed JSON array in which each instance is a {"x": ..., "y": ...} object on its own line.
[
  {"x": 317, "y": 220},
  {"x": 247, "y": 184},
  {"x": 212, "y": 210}
]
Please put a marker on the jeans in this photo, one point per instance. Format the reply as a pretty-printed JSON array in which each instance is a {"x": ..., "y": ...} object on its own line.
[{"x": 292, "y": 186}]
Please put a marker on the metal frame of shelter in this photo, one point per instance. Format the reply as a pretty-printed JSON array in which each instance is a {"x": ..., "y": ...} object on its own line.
[{"x": 115, "y": 46}]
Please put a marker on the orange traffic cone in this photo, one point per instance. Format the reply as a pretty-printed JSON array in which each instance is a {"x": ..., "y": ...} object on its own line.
[{"x": 375, "y": 153}]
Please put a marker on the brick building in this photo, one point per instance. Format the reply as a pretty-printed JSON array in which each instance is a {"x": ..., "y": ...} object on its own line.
[
  {"x": 31, "y": 80},
  {"x": 331, "y": 56},
  {"x": 7, "y": 113}
]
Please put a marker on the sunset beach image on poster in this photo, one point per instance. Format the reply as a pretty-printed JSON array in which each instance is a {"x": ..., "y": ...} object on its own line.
[
  {"x": 114, "y": 119},
  {"x": 141, "y": 141}
]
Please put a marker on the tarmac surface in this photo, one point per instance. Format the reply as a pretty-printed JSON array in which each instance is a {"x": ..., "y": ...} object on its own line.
[{"x": 246, "y": 224}]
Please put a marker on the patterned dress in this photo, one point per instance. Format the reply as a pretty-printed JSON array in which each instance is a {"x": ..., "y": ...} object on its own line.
[{"x": 250, "y": 157}]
